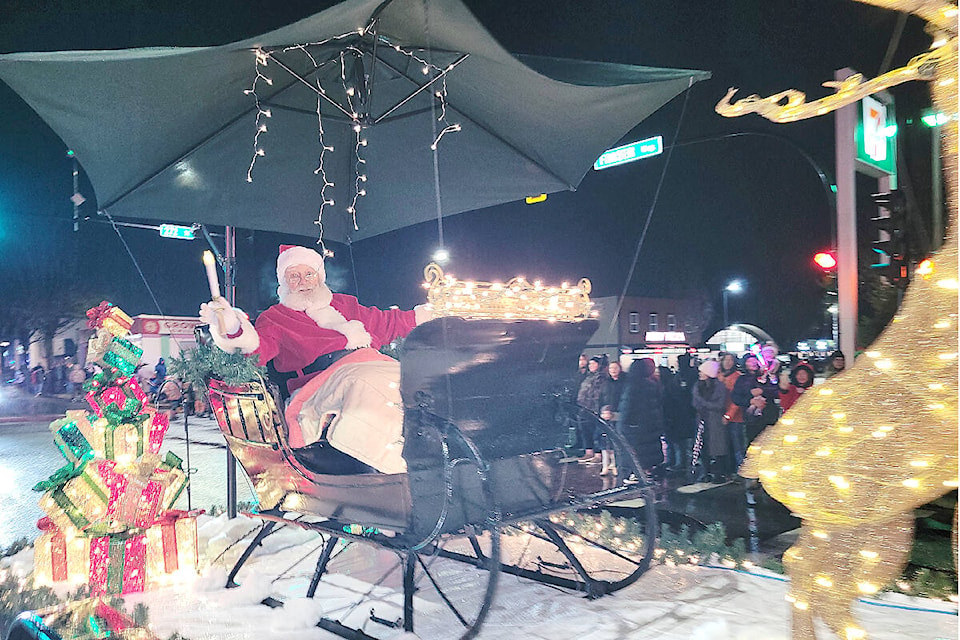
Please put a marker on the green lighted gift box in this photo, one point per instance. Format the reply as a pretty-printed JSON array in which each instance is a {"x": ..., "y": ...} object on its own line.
[
  {"x": 70, "y": 439},
  {"x": 123, "y": 355}
]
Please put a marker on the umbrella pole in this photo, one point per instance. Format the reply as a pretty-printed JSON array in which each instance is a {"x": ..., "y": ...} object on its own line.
[{"x": 229, "y": 236}]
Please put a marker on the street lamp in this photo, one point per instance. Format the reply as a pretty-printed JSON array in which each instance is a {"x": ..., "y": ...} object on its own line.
[
  {"x": 734, "y": 286},
  {"x": 441, "y": 256}
]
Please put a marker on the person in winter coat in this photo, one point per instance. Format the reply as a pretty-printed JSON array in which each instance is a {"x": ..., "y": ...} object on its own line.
[
  {"x": 679, "y": 420},
  {"x": 641, "y": 415},
  {"x": 733, "y": 416},
  {"x": 838, "y": 363},
  {"x": 710, "y": 401},
  {"x": 758, "y": 394},
  {"x": 613, "y": 389},
  {"x": 588, "y": 397},
  {"x": 793, "y": 385}
]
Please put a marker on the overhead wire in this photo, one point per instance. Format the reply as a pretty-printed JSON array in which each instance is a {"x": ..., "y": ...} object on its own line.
[
  {"x": 143, "y": 278},
  {"x": 652, "y": 208}
]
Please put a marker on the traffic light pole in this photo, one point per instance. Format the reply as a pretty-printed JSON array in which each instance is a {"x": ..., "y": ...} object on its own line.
[
  {"x": 845, "y": 122},
  {"x": 229, "y": 270}
]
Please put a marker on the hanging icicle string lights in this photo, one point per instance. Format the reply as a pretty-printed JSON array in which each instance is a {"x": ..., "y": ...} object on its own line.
[
  {"x": 353, "y": 104},
  {"x": 260, "y": 59},
  {"x": 325, "y": 200},
  {"x": 514, "y": 300}
]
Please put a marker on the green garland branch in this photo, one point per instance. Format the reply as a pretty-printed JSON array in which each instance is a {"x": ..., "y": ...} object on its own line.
[
  {"x": 709, "y": 546},
  {"x": 198, "y": 365}
]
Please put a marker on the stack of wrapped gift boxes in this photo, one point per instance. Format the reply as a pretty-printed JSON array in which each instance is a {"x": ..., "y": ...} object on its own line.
[{"x": 111, "y": 521}]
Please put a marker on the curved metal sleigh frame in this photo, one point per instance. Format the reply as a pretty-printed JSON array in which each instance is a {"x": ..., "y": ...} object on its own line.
[{"x": 484, "y": 460}]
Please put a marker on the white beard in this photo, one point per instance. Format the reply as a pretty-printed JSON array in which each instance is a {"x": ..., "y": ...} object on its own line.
[
  {"x": 303, "y": 300},
  {"x": 316, "y": 304}
]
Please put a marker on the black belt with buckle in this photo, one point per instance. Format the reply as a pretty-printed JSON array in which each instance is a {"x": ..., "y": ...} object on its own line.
[
  {"x": 323, "y": 362},
  {"x": 280, "y": 378}
]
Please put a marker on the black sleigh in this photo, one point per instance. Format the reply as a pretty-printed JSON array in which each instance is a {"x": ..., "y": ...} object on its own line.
[{"x": 488, "y": 487}]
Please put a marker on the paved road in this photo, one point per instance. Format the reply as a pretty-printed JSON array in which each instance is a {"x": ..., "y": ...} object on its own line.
[{"x": 28, "y": 455}]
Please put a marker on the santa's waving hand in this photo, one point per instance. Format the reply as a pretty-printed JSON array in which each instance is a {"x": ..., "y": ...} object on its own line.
[{"x": 311, "y": 325}]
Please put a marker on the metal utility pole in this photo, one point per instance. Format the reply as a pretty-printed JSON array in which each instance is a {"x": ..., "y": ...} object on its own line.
[{"x": 845, "y": 122}]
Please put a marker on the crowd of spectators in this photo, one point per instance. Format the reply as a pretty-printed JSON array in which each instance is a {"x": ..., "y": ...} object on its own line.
[{"x": 704, "y": 412}]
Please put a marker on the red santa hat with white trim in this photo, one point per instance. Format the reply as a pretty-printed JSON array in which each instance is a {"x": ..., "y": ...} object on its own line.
[{"x": 292, "y": 255}]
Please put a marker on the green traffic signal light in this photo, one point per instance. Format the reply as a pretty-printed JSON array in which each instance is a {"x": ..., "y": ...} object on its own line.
[{"x": 935, "y": 119}]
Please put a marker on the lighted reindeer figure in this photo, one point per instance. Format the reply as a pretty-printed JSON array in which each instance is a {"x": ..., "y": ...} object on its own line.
[{"x": 858, "y": 454}]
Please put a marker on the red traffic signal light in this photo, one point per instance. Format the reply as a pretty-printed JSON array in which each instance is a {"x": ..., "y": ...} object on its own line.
[{"x": 825, "y": 260}]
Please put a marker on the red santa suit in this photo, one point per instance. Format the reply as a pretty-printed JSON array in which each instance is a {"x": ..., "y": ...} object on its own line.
[
  {"x": 293, "y": 340},
  {"x": 357, "y": 398}
]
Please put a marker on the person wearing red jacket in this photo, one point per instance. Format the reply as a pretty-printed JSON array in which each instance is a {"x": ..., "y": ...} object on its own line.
[{"x": 792, "y": 386}]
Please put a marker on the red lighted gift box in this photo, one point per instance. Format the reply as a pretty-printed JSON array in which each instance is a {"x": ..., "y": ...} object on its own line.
[
  {"x": 139, "y": 492},
  {"x": 117, "y": 563},
  {"x": 172, "y": 548},
  {"x": 60, "y": 556}
]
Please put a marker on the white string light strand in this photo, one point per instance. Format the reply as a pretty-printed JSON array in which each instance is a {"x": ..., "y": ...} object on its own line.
[
  {"x": 260, "y": 58},
  {"x": 442, "y": 96},
  {"x": 324, "y": 148},
  {"x": 358, "y": 168},
  {"x": 426, "y": 67}
]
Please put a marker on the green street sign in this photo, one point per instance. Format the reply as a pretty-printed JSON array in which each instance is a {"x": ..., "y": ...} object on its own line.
[
  {"x": 176, "y": 231},
  {"x": 629, "y": 153}
]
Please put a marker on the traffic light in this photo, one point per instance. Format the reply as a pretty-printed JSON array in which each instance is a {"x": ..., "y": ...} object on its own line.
[
  {"x": 826, "y": 260},
  {"x": 888, "y": 243},
  {"x": 826, "y": 263}
]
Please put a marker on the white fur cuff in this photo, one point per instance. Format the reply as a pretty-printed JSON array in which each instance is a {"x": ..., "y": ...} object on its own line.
[
  {"x": 246, "y": 342},
  {"x": 356, "y": 334},
  {"x": 423, "y": 313}
]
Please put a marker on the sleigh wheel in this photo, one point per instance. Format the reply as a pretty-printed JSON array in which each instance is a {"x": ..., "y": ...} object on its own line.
[
  {"x": 379, "y": 588},
  {"x": 594, "y": 551}
]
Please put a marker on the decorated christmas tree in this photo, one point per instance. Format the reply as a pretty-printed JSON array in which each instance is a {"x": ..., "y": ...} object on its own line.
[{"x": 110, "y": 520}]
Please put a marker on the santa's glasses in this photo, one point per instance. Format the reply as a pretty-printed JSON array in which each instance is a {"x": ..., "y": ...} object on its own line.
[{"x": 295, "y": 277}]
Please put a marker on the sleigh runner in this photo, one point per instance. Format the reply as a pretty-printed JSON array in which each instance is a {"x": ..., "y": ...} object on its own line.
[{"x": 484, "y": 421}]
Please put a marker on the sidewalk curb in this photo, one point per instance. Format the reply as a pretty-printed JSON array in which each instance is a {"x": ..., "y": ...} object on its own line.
[{"x": 30, "y": 418}]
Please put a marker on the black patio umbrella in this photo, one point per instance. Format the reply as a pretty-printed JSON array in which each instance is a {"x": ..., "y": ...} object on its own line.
[{"x": 379, "y": 113}]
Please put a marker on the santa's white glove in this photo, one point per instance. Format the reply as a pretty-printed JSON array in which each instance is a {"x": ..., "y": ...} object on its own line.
[
  {"x": 423, "y": 313},
  {"x": 230, "y": 328},
  {"x": 219, "y": 314}
]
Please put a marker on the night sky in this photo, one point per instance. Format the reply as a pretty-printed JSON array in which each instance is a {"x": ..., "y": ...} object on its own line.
[{"x": 747, "y": 207}]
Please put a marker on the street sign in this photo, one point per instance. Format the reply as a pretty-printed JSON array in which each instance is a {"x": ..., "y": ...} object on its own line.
[
  {"x": 176, "y": 231},
  {"x": 629, "y": 153}
]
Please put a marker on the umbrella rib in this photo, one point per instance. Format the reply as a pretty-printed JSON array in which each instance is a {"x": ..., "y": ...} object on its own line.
[
  {"x": 421, "y": 88},
  {"x": 305, "y": 112},
  {"x": 493, "y": 134},
  {"x": 312, "y": 88}
]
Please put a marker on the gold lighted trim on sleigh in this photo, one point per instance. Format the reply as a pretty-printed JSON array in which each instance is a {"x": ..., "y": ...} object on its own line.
[{"x": 513, "y": 300}]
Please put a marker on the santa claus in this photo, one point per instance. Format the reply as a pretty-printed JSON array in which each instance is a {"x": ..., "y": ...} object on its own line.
[{"x": 343, "y": 390}]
